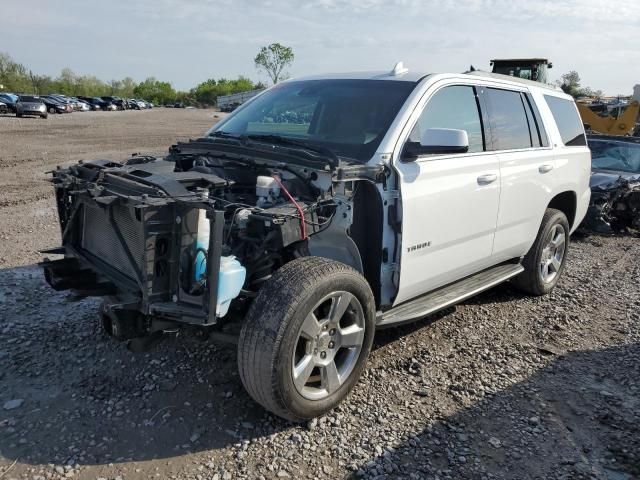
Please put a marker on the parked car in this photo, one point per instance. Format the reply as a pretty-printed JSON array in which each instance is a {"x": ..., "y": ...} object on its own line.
[
  {"x": 78, "y": 105},
  {"x": 83, "y": 106},
  {"x": 98, "y": 103},
  {"x": 615, "y": 184},
  {"x": 137, "y": 104},
  {"x": 67, "y": 101},
  {"x": 117, "y": 101},
  {"x": 30, "y": 105},
  {"x": 178, "y": 105},
  {"x": 94, "y": 104},
  {"x": 323, "y": 209},
  {"x": 56, "y": 106},
  {"x": 9, "y": 99}
]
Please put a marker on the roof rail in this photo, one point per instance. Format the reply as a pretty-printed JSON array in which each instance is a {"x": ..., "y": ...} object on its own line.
[{"x": 499, "y": 76}]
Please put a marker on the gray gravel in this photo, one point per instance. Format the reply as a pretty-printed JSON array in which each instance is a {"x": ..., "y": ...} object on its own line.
[{"x": 504, "y": 386}]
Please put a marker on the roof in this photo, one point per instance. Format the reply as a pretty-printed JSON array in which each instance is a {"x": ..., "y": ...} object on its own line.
[
  {"x": 410, "y": 76},
  {"x": 416, "y": 76}
]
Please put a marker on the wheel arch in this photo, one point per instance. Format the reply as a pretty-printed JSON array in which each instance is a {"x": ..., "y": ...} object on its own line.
[{"x": 567, "y": 203}]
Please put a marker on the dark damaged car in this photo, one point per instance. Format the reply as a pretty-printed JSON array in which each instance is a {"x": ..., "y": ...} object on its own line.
[{"x": 615, "y": 184}]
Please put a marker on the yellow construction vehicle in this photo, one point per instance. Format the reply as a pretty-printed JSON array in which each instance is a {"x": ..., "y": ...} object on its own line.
[{"x": 621, "y": 125}]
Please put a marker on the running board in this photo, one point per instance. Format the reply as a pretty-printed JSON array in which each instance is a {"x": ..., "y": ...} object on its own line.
[{"x": 449, "y": 295}]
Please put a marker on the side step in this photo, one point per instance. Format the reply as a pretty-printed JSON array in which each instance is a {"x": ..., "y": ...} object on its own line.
[{"x": 449, "y": 295}]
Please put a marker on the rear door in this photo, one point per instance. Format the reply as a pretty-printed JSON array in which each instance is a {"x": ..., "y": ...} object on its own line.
[
  {"x": 527, "y": 167},
  {"x": 449, "y": 202}
]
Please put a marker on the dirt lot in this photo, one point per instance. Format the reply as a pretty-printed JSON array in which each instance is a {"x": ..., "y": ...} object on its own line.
[{"x": 503, "y": 386}]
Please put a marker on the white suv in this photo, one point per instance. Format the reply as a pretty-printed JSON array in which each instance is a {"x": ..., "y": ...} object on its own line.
[{"x": 324, "y": 208}]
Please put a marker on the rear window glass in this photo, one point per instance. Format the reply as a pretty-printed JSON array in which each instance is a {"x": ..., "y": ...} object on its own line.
[
  {"x": 569, "y": 123},
  {"x": 509, "y": 123}
]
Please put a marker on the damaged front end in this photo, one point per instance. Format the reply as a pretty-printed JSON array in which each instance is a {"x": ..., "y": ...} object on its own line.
[
  {"x": 185, "y": 240},
  {"x": 615, "y": 203},
  {"x": 189, "y": 239}
]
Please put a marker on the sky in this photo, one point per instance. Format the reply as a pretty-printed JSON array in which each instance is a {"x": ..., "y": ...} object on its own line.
[{"x": 187, "y": 41}]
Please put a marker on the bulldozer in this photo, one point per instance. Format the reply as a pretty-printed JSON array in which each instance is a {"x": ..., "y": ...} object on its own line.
[
  {"x": 535, "y": 69},
  {"x": 623, "y": 122}
]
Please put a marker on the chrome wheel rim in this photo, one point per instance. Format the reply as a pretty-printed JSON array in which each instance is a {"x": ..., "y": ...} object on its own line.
[
  {"x": 553, "y": 254},
  {"x": 328, "y": 345}
]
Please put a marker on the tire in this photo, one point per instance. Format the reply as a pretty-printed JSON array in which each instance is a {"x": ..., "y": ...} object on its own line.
[
  {"x": 272, "y": 340},
  {"x": 44, "y": 115},
  {"x": 52, "y": 110},
  {"x": 19, "y": 115},
  {"x": 533, "y": 280}
]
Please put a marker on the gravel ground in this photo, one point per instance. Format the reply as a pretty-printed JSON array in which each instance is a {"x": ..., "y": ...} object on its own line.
[{"x": 503, "y": 386}]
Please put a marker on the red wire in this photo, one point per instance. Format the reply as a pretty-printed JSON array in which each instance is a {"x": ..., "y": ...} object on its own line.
[{"x": 303, "y": 225}]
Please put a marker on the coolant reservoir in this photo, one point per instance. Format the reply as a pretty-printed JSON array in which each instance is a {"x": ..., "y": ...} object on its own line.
[
  {"x": 267, "y": 190},
  {"x": 230, "y": 281}
]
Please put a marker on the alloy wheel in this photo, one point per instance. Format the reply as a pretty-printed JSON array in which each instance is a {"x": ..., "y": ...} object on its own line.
[
  {"x": 328, "y": 345},
  {"x": 553, "y": 254}
]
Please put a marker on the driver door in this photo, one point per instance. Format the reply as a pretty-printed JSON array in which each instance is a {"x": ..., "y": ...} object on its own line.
[{"x": 449, "y": 202}]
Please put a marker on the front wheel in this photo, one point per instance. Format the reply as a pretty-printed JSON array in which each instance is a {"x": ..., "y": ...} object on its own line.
[
  {"x": 306, "y": 338},
  {"x": 545, "y": 262}
]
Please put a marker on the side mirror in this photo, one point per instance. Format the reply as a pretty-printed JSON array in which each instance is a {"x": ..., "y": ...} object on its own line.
[{"x": 436, "y": 141}]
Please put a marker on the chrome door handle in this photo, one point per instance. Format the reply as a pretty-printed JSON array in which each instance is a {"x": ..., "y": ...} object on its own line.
[
  {"x": 545, "y": 168},
  {"x": 487, "y": 179}
]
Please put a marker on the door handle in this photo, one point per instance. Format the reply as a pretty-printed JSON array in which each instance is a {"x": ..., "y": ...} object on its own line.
[
  {"x": 487, "y": 179},
  {"x": 546, "y": 168}
]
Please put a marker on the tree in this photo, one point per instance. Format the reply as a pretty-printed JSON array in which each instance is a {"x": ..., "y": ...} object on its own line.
[
  {"x": 273, "y": 59},
  {"x": 155, "y": 91},
  {"x": 207, "y": 92},
  {"x": 14, "y": 77},
  {"x": 570, "y": 83}
]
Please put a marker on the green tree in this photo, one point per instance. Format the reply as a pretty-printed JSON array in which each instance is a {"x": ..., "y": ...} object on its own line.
[
  {"x": 273, "y": 59},
  {"x": 155, "y": 91},
  {"x": 570, "y": 83},
  {"x": 14, "y": 77},
  {"x": 207, "y": 92}
]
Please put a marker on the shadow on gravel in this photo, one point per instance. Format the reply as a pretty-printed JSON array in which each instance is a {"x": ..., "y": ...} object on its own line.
[{"x": 566, "y": 421}]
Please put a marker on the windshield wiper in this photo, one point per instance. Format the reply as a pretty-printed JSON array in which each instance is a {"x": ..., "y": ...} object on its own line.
[
  {"x": 325, "y": 153},
  {"x": 284, "y": 141}
]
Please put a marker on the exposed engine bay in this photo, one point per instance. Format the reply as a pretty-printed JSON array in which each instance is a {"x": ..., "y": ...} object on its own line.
[{"x": 192, "y": 236}]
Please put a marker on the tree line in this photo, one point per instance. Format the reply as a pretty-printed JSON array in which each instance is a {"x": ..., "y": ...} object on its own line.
[{"x": 16, "y": 77}]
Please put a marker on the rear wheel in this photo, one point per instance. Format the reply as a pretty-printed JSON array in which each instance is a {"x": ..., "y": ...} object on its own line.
[
  {"x": 545, "y": 261},
  {"x": 306, "y": 338}
]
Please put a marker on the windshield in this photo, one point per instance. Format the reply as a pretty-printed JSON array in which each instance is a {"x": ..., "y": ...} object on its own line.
[
  {"x": 348, "y": 117},
  {"x": 613, "y": 155},
  {"x": 28, "y": 98}
]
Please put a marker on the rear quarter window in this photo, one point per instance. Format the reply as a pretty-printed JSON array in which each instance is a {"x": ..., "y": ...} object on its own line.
[{"x": 569, "y": 122}]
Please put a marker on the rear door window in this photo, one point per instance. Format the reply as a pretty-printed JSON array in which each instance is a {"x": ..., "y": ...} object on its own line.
[
  {"x": 509, "y": 123},
  {"x": 453, "y": 107},
  {"x": 569, "y": 123}
]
